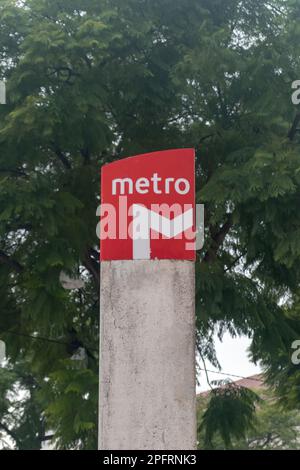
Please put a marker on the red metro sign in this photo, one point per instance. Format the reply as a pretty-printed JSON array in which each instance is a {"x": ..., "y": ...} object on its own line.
[{"x": 148, "y": 207}]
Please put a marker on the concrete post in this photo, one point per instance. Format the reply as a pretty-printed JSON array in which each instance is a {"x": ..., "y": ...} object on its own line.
[{"x": 147, "y": 356}]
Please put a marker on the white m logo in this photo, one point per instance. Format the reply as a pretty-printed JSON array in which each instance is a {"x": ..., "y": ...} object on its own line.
[{"x": 145, "y": 220}]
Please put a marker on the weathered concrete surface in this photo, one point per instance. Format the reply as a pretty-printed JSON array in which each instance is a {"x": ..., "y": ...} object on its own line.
[{"x": 147, "y": 360}]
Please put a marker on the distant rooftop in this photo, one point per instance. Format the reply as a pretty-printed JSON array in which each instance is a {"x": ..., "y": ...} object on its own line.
[{"x": 254, "y": 382}]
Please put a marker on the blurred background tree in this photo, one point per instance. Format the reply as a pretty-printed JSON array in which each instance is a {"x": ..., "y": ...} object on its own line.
[{"x": 271, "y": 426}]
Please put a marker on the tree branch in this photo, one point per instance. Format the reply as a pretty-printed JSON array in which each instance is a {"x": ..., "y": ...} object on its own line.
[
  {"x": 92, "y": 266},
  {"x": 236, "y": 260},
  {"x": 62, "y": 158},
  {"x": 9, "y": 433},
  {"x": 221, "y": 102},
  {"x": 205, "y": 369},
  {"x": 14, "y": 172},
  {"x": 47, "y": 438},
  {"x": 95, "y": 254},
  {"x": 86, "y": 155},
  {"x": 294, "y": 129},
  {"x": 15, "y": 265},
  {"x": 218, "y": 239}
]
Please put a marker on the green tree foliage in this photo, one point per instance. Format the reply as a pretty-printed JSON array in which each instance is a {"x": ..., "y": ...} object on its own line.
[
  {"x": 230, "y": 413},
  {"x": 271, "y": 427},
  {"x": 92, "y": 81},
  {"x": 22, "y": 422}
]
